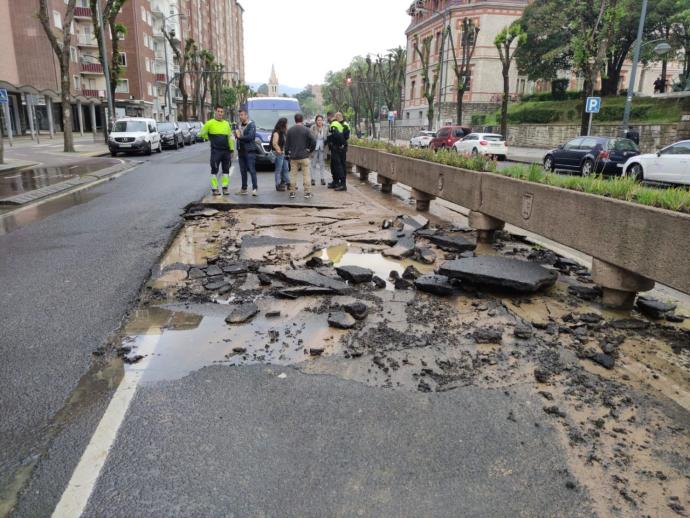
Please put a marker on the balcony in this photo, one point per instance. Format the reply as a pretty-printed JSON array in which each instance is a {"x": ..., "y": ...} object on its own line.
[
  {"x": 91, "y": 68},
  {"x": 160, "y": 78},
  {"x": 87, "y": 92},
  {"x": 82, "y": 12},
  {"x": 86, "y": 40}
]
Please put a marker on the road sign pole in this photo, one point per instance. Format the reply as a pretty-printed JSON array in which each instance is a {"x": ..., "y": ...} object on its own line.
[
  {"x": 633, "y": 73},
  {"x": 8, "y": 121},
  {"x": 589, "y": 126}
]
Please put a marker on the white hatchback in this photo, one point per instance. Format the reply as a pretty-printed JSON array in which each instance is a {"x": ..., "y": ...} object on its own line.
[
  {"x": 483, "y": 144},
  {"x": 668, "y": 165},
  {"x": 422, "y": 138}
]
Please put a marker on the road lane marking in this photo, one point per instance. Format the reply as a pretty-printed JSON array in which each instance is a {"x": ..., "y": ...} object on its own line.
[{"x": 85, "y": 475}]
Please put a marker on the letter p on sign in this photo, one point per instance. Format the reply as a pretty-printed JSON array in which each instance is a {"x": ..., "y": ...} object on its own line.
[{"x": 593, "y": 105}]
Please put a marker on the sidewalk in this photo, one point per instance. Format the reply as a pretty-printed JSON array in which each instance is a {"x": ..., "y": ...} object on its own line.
[{"x": 26, "y": 152}]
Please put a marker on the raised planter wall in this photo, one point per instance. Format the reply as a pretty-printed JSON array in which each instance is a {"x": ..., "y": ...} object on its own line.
[{"x": 654, "y": 243}]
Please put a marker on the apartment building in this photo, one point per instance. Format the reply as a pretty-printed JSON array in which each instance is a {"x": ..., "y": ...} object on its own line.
[{"x": 29, "y": 69}]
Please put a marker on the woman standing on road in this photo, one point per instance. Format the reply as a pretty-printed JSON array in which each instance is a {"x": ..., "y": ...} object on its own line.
[
  {"x": 278, "y": 147},
  {"x": 320, "y": 132}
]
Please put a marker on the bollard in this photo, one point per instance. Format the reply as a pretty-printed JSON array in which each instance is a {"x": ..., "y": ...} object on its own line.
[
  {"x": 619, "y": 286},
  {"x": 422, "y": 200},
  {"x": 486, "y": 226}
]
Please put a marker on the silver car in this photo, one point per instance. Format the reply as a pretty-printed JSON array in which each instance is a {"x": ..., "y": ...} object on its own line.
[{"x": 422, "y": 138}]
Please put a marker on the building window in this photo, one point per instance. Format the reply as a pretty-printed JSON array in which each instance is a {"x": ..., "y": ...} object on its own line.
[
  {"x": 57, "y": 20},
  {"x": 148, "y": 65},
  {"x": 73, "y": 56},
  {"x": 143, "y": 13},
  {"x": 148, "y": 18},
  {"x": 122, "y": 86},
  {"x": 412, "y": 90},
  {"x": 122, "y": 59},
  {"x": 438, "y": 42},
  {"x": 77, "y": 82}
]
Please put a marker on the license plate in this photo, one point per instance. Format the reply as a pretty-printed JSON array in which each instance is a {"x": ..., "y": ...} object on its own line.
[{"x": 125, "y": 145}]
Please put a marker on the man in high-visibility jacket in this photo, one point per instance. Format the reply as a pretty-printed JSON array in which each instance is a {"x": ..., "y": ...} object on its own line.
[{"x": 218, "y": 131}]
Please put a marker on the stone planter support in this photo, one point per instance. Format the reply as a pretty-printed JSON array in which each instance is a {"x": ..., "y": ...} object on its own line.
[
  {"x": 619, "y": 286},
  {"x": 422, "y": 199},
  {"x": 386, "y": 184},
  {"x": 363, "y": 173},
  {"x": 486, "y": 226}
]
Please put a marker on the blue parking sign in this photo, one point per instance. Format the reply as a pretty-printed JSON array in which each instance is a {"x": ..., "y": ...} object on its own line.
[
  {"x": 593, "y": 105},
  {"x": 3, "y": 96}
]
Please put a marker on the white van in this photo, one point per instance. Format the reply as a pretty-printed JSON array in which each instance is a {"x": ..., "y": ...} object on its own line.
[{"x": 134, "y": 134}]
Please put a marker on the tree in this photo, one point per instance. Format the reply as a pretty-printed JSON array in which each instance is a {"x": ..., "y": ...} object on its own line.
[
  {"x": 111, "y": 9},
  {"x": 681, "y": 38},
  {"x": 183, "y": 56},
  {"x": 61, "y": 49},
  {"x": 390, "y": 71},
  {"x": 547, "y": 49},
  {"x": 461, "y": 68},
  {"x": 429, "y": 74},
  {"x": 504, "y": 42},
  {"x": 364, "y": 76}
]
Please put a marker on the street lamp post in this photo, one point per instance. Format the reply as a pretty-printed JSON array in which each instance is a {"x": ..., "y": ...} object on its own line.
[
  {"x": 168, "y": 99},
  {"x": 633, "y": 72}
]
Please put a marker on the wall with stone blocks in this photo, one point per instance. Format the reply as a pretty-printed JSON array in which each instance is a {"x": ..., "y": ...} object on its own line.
[{"x": 652, "y": 136}]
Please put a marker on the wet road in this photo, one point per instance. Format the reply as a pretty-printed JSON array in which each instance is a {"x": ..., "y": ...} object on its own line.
[{"x": 68, "y": 278}]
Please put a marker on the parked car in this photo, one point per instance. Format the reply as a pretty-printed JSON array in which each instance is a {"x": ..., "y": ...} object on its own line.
[
  {"x": 422, "y": 138},
  {"x": 186, "y": 133},
  {"x": 669, "y": 165},
  {"x": 171, "y": 135},
  {"x": 491, "y": 144},
  {"x": 134, "y": 134},
  {"x": 447, "y": 136},
  {"x": 197, "y": 128},
  {"x": 591, "y": 155}
]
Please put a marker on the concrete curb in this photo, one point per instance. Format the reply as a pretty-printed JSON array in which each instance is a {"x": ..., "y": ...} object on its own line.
[
  {"x": 59, "y": 188},
  {"x": 16, "y": 168}
]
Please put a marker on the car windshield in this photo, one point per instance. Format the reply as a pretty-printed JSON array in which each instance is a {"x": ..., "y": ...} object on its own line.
[
  {"x": 184, "y": 125},
  {"x": 428, "y": 134},
  {"x": 165, "y": 126},
  {"x": 623, "y": 144},
  {"x": 265, "y": 120},
  {"x": 493, "y": 138},
  {"x": 129, "y": 126}
]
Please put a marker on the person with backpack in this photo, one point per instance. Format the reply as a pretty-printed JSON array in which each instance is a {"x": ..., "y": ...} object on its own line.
[{"x": 281, "y": 171}]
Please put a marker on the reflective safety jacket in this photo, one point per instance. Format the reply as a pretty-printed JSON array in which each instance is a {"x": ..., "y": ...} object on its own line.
[
  {"x": 219, "y": 133},
  {"x": 336, "y": 135}
]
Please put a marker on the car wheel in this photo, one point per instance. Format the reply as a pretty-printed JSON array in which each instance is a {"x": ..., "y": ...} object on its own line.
[
  {"x": 148, "y": 150},
  {"x": 475, "y": 152},
  {"x": 502, "y": 158},
  {"x": 113, "y": 153},
  {"x": 587, "y": 167},
  {"x": 636, "y": 172},
  {"x": 548, "y": 163}
]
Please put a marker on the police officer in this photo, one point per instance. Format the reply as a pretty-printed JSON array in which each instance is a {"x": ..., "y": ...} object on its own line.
[
  {"x": 218, "y": 131},
  {"x": 338, "y": 135}
]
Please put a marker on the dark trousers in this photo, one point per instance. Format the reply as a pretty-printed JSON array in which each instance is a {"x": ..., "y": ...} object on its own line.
[
  {"x": 220, "y": 157},
  {"x": 338, "y": 166},
  {"x": 248, "y": 164}
]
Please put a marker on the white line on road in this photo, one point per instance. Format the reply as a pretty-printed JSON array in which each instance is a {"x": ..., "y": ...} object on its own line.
[{"x": 85, "y": 475}]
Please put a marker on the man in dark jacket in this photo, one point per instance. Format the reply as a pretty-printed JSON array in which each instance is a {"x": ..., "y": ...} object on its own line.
[
  {"x": 338, "y": 143},
  {"x": 246, "y": 137},
  {"x": 299, "y": 145}
]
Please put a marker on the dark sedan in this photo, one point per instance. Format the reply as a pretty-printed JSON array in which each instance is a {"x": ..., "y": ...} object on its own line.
[
  {"x": 591, "y": 155},
  {"x": 187, "y": 137},
  {"x": 171, "y": 135}
]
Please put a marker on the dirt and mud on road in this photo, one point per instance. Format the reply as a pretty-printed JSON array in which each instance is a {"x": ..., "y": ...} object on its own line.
[{"x": 375, "y": 293}]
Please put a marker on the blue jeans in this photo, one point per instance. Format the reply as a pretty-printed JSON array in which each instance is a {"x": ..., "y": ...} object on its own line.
[
  {"x": 248, "y": 164},
  {"x": 281, "y": 170}
]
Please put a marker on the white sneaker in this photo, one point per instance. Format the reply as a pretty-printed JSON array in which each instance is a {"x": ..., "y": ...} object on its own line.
[
  {"x": 254, "y": 193},
  {"x": 292, "y": 194}
]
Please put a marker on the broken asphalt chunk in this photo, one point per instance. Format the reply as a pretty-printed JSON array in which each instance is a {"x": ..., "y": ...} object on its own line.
[
  {"x": 454, "y": 242},
  {"x": 303, "y": 291},
  {"x": 341, "y": 320},
  {"x": 425, "y": 255},
  {"x": 653, "y": 308},
  {"x": 411, "y": 273},
  {"x": 500, "y": 273},
  {"x": 435, "y": 284},
  {"x": 358, "y": 310},
  {"x": 312, "y": 278},
  {"x": 355, "y": 274},
  {"x": 605, "y": 360},
  {"x": 378, "y": 282},
  {"x": 196, "y": 273},
  {"x": 403, "y": 248},
  {"x": 242, "y": 313}
]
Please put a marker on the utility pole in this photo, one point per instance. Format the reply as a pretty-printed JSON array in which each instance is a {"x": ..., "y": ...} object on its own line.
[
  {"x": 441, "y": 56},
  {"x": 633, "y": 73}
]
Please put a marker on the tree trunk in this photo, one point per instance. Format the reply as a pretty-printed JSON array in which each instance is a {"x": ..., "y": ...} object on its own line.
[
  {"x": 68, "y": 138},
  {"x": 587, "y": 91},
  {"x": 430, "y": 115},
  {"x": 504, "y": 103},
  {"x": 458, "y": 107},
  {"x": 664, "y": 66}
]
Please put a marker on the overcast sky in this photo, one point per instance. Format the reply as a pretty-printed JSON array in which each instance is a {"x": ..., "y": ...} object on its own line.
[{"x": 298, "y": 36}]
